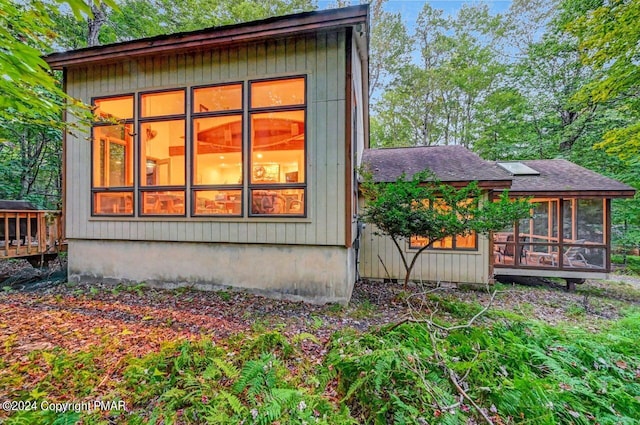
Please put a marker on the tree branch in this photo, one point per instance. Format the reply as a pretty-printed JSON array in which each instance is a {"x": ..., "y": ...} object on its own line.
[
  {"x": 451, "y": 374},
  {"x": 430, "y": 322}
]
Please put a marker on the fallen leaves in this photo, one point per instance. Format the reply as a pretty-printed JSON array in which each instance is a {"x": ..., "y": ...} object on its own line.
[{"x": 112, "y": 323}]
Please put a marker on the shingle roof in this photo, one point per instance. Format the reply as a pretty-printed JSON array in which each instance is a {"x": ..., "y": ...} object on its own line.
[
  {"x": 457, "y": 164},
  {"x": 559, "y": 175},
  {"x": 16, "y": 205},
  {"x": 448, "y": 163}
]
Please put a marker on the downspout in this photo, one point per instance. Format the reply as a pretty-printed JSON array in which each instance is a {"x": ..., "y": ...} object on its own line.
[{"x": 356, "y": 246}]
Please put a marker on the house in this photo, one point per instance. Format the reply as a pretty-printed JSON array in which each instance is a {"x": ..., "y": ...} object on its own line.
[
  {"x": 221, "y": 157},
  {"x": 570, "y": 214},
  {"x": 227, "y": 157}
]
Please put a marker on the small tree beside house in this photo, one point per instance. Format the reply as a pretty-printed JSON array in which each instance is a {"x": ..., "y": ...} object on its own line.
[{"x": 423, "y": 207}]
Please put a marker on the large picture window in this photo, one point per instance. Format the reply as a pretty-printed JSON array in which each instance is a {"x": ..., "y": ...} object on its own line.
[{"x": 229, "y": 171}]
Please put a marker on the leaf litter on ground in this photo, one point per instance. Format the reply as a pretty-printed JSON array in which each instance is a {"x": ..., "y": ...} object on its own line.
[{"x": 132, "y": 321}]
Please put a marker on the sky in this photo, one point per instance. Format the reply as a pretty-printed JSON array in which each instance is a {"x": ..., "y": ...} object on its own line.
[{"x": 409, "y": 9}]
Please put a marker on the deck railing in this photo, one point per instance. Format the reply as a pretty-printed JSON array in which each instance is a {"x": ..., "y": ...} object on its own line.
[{"x": 25, "y": 233}]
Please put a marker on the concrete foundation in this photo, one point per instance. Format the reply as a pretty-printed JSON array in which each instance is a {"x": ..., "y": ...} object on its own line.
[{"x": 316, "y": 274}]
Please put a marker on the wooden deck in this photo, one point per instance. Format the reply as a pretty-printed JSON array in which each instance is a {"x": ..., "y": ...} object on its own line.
[{"x": 30, "y": 234}]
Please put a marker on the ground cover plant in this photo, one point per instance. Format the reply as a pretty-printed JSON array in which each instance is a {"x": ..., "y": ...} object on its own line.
[
  {"x": 539, "y": 355},
  {"x": 630, "y": 262},
  {"x": 512, "y": 371}
]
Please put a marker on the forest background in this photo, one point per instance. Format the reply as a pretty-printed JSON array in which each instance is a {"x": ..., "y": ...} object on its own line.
[{"x": 531, "y": 79}]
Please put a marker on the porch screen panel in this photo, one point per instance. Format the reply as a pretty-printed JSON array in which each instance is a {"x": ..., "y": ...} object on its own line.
[
  {"x": 540, "y": 233},
  {"x": 112, "y": 156},
  {"x": 590, "y": 220},
  {"x": 568, "y": 219}
]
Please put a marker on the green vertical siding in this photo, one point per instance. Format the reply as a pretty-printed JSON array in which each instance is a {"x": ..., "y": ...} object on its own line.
[
  {"x": 321, "y": 57},
  {"x": 378, "y": 252}
]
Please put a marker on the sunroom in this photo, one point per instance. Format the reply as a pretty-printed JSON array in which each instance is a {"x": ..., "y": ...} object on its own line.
[
  {"x": 568, "y": 233},
  {"x": 222, "y": 157}
]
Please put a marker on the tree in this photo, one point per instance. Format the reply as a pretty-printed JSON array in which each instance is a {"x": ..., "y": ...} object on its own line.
[
  {"x": 32, "y": 102},
  {"x": 30, "y": 164},
  {"x": 134, "y": 19},
  {"x": 435, "y": 98},
  {"x": 506, "y": 130},
  {"x": 422, "y": 206},
  {"x": 609, "y": 38},
  {"x": 389, "y": 46},
  {"x": 29, "y": 92},
  {"x": 26, "y": 85}
]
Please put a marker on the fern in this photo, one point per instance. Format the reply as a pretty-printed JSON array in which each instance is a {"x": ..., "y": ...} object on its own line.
[
  {"x": 233, "y": 402},
  {"x": 67, "y": 418},
  {"x": 227, "y": 368},
  {"x": 298, "y": 338},
  {"x": 175, "y": 398},
  {"x": 269, "y": 342},
  {"x": 268, "y": 414},
  {"x": 257, "y": 376}
]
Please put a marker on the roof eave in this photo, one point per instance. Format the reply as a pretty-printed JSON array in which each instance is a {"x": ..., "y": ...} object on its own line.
[
  {"x": 575, "y": 193},
  {"x": 214, "y": 37},
  {"x": 483, "y": 184}
]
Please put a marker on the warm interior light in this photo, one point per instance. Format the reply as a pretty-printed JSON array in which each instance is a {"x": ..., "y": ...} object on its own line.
[{"x": 259, "y": 155}]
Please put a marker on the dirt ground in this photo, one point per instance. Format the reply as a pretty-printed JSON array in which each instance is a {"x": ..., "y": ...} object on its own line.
[{"x": 76, "y": 316}]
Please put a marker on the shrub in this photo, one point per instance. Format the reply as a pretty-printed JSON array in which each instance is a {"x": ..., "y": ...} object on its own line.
[{"x": 632, "y": 262}]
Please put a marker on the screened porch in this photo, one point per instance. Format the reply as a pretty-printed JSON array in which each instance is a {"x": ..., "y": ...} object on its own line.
[{"x": 565, "y": 237}]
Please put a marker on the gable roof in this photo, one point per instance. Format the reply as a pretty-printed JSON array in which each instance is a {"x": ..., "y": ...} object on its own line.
[
  {"x": 279, "y": 26},
  {"x": 562, "y": 176},
  {"x": 450, "y": 164}
]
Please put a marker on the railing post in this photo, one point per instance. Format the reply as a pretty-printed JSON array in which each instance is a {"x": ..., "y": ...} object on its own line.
[
  {"x": 42, "y": 234},
  {"x": 6, "y": 234},
  {"x": 28, "y": 237},
  {"x": 17, "y": 233}
]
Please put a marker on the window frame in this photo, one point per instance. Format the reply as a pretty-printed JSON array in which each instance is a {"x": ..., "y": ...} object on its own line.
[
  {"x": 453, "y": 246},
  {"x": 159, "y": 118},
  {"x": 249, "y": 110},
  {"x": 190, "y": 188},
  {"x": 411, "y": 247},
  {"x": 193, "y": 188},
  {"x": 116, "y": 189}
]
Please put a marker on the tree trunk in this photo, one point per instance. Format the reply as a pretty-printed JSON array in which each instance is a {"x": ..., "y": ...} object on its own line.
[{"x": 95, "y": 23}]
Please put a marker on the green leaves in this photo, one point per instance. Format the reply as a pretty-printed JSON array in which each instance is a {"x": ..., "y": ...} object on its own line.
[
  {"x": 517, "y": 371},
  {"x": 433, "y": 91},
  {"x": 133, "y": 19},
  {"x": 608, "y": 36},
  {"x": 29, "y": 91},
  {"x": 24, "y": 76},
  {"x": 80, "y": 7}
]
